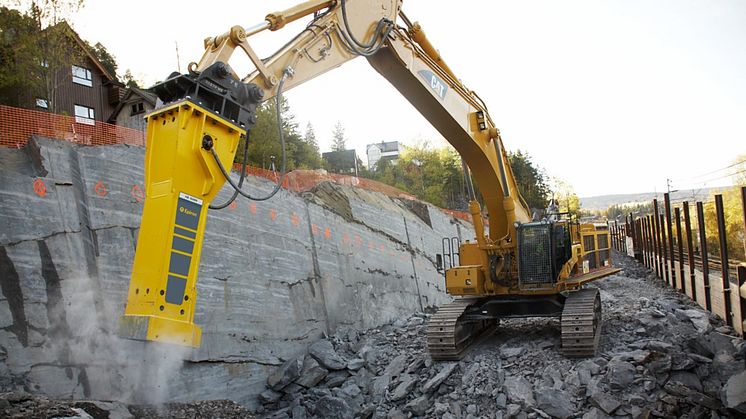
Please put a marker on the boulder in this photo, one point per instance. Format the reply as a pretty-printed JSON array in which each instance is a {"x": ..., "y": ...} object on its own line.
[
  {"x": 511, "y": 352},
  {"x": 438, "y": 379},
  {"x": 699, "y": 318},
  {"x": 336, "y": 378},
  {"x": 733, "y": 394},
  {"x": 606, "y": 402},
  {"x": 620, "y": 374},
  {"x": 406, "y": 384},
  {"x": 418, "y": 406},
  {"x": 554, "y": 402},
  {"x": 333, "y": 408},
  {"x": 269, "y": 396},
  {"x": 312, "y": 373},
  {"x": 355, "y": 364},
  {"x": 724, "y": 365},
  {"x": 659, "y": 363},
  {"x": 286, "y": 374},
  {"x": 513, "y": 409},
  {"x": 595, "y": 413},
  {"x": 519, "y": 390},
  {"x": 660, "y": 346},
  {"x": 323, "y": 351},
  {"x": 501, "y": 401},
  {"x": 686, "y": 379}
]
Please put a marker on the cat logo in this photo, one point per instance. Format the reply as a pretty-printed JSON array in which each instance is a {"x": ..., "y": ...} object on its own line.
[{"x": 436, "y": 83}]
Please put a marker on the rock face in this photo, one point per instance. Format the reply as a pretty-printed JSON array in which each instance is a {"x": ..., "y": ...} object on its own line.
[{"x": 274, "y": 277}]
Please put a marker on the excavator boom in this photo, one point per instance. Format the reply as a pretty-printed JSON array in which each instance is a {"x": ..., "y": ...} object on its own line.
[{"x": 517, "y": 266}]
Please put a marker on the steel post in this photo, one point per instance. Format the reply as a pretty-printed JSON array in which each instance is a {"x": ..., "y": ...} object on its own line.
[
  {"x": 671, "y": 270},
  {"x": 703, "y": 254},
  {"x": 664, "y": 249},
  {"x": 724, "y": 269},
  {"x": 658, "y": 259},
  {"x": 680, "y": 243},
  {"x": 742, "y": 295},
  {"x": 690, "y": 251}
]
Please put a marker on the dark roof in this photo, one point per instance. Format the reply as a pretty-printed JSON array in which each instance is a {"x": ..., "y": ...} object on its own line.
[
  {"x": 147, "y": 95},
  {"x": 132, "y": 95},
  {"x": 386, "y": 146}
]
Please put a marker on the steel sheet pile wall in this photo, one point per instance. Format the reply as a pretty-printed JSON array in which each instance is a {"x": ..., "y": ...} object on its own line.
[
  {"x": 275, "y": 276},
  {"x": 682, "y": 259}
]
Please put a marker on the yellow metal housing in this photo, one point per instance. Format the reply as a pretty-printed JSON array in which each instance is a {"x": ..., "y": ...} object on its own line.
[
  {"x": 181, "y": 179},
  {"x": 465, "y": 280}
]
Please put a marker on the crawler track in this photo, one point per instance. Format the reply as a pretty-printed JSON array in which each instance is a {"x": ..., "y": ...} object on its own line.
[
  {"x": 581, "y": 323},
  {"x": 449, "y": 335}
]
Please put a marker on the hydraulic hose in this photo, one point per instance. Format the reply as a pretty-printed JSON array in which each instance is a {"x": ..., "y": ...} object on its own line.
[
  {"x": 237, "y": 187},
  {"x": 241, "y": 179}
]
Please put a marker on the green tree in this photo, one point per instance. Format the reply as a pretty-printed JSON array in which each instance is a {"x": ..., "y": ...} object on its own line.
[
  {"x": 38, "y": 49},
  {"x": 339, "y": 142},
  {"x": 530, "y": 179},
  {"x": 431, "y": 175},
  {"x": 566, "y": 197},
  {"x": 264, "y": 142},
  {"x": 56, "y": 44},
  {"x": 104, "y": 56},
  {"x": 734, "y": 229},
  {"x": 130, "y": 80},
  {"x": 20, "y": 60},
  {"x": 623, "y": 210}
]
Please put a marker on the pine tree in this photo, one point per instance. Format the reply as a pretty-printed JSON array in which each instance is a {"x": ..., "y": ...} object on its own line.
[
  {"x": 338, "y": 138},
  {"x": 310, "y": 137}
]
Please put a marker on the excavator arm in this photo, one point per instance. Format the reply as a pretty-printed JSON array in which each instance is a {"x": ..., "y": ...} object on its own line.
[{"x": 208, "y": 110}]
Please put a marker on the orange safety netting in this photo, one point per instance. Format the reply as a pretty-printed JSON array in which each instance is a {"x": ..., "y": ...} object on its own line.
[{"x": 18, "y": 125}]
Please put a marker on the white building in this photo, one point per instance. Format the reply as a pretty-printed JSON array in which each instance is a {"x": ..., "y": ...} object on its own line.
[{"x": 383, "y": 150}]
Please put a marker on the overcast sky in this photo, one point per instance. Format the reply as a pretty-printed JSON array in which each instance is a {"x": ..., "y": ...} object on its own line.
[{"x": 611, "y": 96}]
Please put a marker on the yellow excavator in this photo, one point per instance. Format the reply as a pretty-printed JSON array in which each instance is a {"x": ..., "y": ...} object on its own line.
[{"x": 520, "y": 268}]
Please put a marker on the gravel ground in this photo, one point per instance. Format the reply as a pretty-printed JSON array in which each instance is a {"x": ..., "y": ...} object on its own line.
[
  {"x": 14, "y": 405},
  {"x": 660, "y": 356}
]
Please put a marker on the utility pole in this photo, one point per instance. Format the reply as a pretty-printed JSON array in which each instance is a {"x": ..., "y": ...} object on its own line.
[
  {"x": 668, "y": 187},
  {"x": 178, "y": 61}
]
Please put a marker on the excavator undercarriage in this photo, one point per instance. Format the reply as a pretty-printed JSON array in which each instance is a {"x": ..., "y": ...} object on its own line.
[{"x": 554, "y": 261}]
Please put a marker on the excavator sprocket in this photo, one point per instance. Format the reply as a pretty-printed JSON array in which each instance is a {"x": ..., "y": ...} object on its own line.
[
  {"x": 581, "y": 323},
  {"x": 449, "y": 334}
]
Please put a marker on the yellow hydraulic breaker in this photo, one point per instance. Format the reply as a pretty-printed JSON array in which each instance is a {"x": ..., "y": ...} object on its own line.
[{"x": 181, "y": 179}]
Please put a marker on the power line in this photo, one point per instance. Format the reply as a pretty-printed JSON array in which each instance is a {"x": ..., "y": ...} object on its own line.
[
  {"x": 704, "y": 182},
  {"x": 712, "y": 172}
]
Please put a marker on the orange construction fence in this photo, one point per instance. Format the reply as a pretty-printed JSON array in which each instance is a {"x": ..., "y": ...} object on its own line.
[{"x": 18, "y": 125}]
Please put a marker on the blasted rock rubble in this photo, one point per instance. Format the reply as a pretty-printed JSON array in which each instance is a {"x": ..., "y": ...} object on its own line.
[{"x": 660, "y": 356}]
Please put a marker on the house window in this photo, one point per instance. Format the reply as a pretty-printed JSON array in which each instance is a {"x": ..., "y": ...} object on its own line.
[
  {"x": 137, "y": 108},
  {"x": 82, "y": 75},
  {"x": 42, "y": 103},
  {"x": 84, "y": 115}
]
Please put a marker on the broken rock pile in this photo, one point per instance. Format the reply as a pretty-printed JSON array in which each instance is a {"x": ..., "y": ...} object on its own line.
[{"x": 660, "y": 356}]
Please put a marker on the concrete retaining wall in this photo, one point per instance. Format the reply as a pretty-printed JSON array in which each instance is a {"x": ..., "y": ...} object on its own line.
[{"x": 274, "y": 277}]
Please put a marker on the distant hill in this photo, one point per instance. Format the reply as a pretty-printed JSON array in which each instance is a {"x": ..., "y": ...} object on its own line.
[{"x": 603, "y": 202}]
